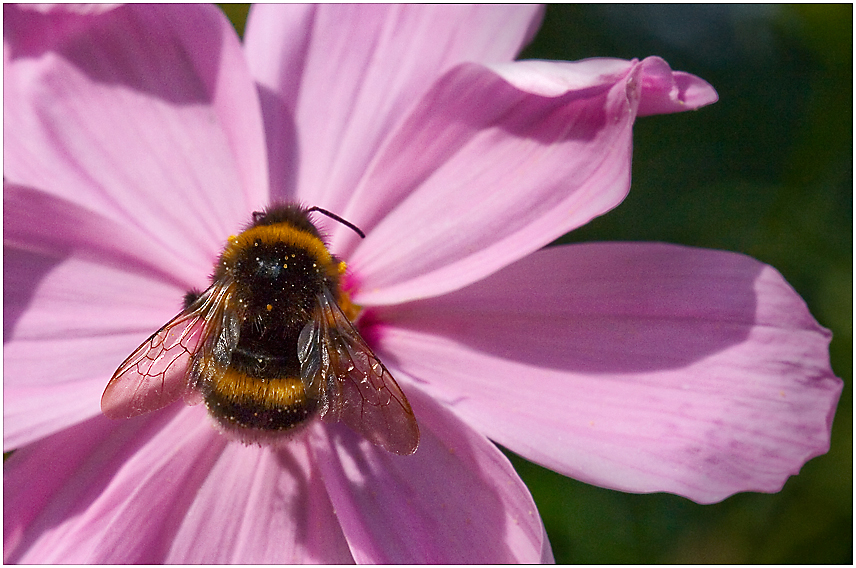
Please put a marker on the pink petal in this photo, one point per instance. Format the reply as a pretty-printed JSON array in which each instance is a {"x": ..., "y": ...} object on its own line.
[
  {"x": 665, "y": 91},
  {"x": 36, "y": 220},
  {"x": 335, "y": 79},
  {"x": 78, "y": 299},
  {"x": 67, "y": 334},
  {"x": 639, "y": 367},
  {"x": 456, "y": 500},
  {"x": 165, "y": 488},
  {"x": 31, "y": 413},
  {"x": 106, "y": 492},
  {"x": 142, "y": 113},
  {"x": 81, "y": 293},
  {"x": 492, "y": 165},
  {"x": 261, "y": 506},
  {"x": 70, "y": 8},
  {"x": 662, "y": 91}
]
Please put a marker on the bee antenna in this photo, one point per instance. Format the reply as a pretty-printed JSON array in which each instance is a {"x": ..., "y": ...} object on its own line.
[{"x": 339, "y": 219}]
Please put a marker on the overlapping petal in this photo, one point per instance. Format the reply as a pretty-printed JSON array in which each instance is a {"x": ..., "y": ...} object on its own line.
[
  {"x": 456, "y": 500},
  {"x": 659, "y": 89},
  {"x": 68, "y": 332},
  {"x": 261, "y": 506},
  {"x": 34, "y": 412},
  {"x": 42, "y": 223},
  {"x": 335, "y": 80},
  {"x": 637, "y": 367},
  {"x": 106, "y": 492},
  {"x": 485, "y": 171},
  {"x": 142, "y": 112},
  {"x": 81, "y": 291}
]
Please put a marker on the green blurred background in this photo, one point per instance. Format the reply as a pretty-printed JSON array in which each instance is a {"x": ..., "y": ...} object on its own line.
[{"x": 766, "y": 171}]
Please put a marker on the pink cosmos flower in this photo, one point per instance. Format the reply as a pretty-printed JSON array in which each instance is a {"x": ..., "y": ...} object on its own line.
[{"x": 138, "y": 138}]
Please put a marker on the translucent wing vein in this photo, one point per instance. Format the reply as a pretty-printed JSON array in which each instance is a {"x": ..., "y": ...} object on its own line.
[{"x": 351, "y": 383}]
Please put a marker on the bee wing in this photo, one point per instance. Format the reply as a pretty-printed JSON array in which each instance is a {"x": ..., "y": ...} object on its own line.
[
  {"x": 351, "y": 384},
  {"x": 214, "y": 353},
  {"x": 155, "y": 374}
]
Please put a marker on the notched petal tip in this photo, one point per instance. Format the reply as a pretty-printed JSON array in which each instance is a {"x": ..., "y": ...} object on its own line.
[
  {"x": 694, "y": 91},
  {"x": 664, "y": 91},
  {"x": 659, "y": 89}
]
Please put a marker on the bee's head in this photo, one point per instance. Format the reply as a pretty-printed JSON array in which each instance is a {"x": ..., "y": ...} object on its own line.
[{"x": 278, "y": 271}]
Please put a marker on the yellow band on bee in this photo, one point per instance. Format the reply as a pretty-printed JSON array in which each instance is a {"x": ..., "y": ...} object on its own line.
[
  {"x": 276, "y": 234},
  {"x": 268, "y": 393}
]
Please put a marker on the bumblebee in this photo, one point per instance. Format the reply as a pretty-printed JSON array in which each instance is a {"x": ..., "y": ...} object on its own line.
[{"x": 268, "y": 347}]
